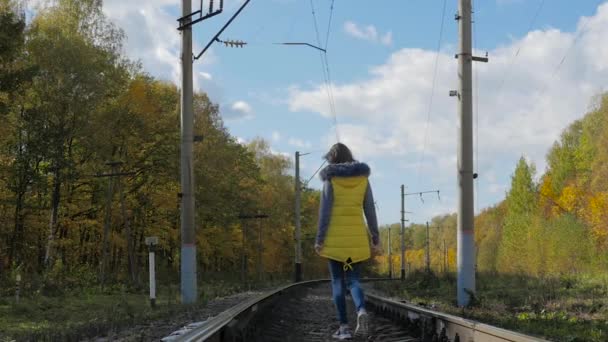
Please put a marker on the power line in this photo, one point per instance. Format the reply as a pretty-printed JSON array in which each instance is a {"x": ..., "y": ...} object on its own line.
[
  {"x": 331, "y": 91},
  {"x": 572, "y": 45},
  {"x": 325, "y": 78},
  {"x": 331, "y": 14},
  {"x": 428, "y": 116},
  {"x": 333, "y": 103},
  {"x": 507, "y": 71},
  {"x": 325, "y": 67},
  {"x": 314, "y": 17},
  {"x": 314, "y": 174}
]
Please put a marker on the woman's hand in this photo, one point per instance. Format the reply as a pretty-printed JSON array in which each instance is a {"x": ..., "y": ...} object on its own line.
[
  {"x": 318, "y": 248},
  {"x": 377, "y": 249}
]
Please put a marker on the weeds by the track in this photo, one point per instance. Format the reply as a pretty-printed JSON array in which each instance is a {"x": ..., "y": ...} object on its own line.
[
  {"x": 88, "y": 312},
  {"x": 560, "y": 309}
]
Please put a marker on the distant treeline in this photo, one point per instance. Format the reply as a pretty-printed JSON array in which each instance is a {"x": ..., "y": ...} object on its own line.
[{"x": 557, "y": 226}]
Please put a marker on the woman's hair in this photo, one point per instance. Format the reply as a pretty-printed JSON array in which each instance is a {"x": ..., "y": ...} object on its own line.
[{"x": 338, "y": 154}]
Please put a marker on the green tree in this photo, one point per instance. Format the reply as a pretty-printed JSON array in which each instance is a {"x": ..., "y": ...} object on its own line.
[
  {"x": 488, "y": 233},
  {"x": 15, "y": 167},
  {"x": 76, "y": 51},
  {"x": 521, "y": 206}
]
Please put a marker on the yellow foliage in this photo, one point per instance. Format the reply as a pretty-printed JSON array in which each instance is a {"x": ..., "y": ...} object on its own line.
[
  {"x": 569, "y": 198},
  {"x": 548, "y": 198},
  {"x": 596, "y": 214}
]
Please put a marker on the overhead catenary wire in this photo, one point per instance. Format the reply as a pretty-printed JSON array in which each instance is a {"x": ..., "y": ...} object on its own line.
[
  {"x": 514, "y": 57},
  {"x": 314, "y": 174},
  {"x": 557, "y": 68},
  {"x": 316, "y": 26},
  {"x": 335, "y": 114},
  {"x": 331, "y": 15},
  {"x": 325, "y": 66},
  {"x": 333, "y": 103},
  {"x": 435, "y": 71}
]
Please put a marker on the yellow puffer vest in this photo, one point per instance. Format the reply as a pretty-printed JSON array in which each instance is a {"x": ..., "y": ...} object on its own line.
[{"x": 347, "y": 239}]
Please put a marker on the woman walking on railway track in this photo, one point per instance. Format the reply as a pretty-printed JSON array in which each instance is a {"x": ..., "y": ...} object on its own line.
[{"x": 343, "y": 236}]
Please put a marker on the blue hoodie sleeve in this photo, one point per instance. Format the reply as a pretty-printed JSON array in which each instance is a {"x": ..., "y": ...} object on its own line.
[
  {"x": 327, "y": 199},
  {"x": 369, "y": 208}
]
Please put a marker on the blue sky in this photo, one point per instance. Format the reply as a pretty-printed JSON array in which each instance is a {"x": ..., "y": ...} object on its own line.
[{"x": 382, "y": 59}]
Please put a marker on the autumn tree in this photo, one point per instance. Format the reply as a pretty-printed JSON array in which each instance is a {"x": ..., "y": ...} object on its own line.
[{"x": 521, "y": 204}]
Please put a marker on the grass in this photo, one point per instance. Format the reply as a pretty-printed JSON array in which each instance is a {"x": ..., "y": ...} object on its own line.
[
  {"x": 90, "y": 312},
  {"x": 74, "y": 316},
  {"x": 560, "y": 309}
]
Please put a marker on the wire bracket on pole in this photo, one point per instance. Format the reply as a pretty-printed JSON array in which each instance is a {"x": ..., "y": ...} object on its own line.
[
  {"x": 185, "y": 20},
  {"x": 215, "y": 38},
  {"x": 305, "y": 44},
  {"x": 231, "y": 42},
  {"x": 475, "y": 58}
]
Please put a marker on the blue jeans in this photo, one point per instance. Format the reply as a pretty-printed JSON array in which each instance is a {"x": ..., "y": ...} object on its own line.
[{"x": 339, "y": 285}]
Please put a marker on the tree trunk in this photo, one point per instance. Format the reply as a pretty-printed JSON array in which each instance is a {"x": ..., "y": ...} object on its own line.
[
  {"x": 23, "y": 177},
  {"x": 17, "y": 239},
  {"x": 129, "y": 236},
  {"x": 55, "y": 200},
  {"x": 106, "y": 232}
]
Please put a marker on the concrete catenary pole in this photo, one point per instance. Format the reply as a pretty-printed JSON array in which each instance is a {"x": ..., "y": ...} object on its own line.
[
  {"x": 465, "y": 236},
  {"x": 188, "y": 249},
  {"x": 402, "y": 232},
  {"x": 298, "y": 188}
]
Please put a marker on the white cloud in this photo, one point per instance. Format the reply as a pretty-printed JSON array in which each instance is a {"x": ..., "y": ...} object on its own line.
[
  {"x": 496, "y": 188},
  {"x": 385, "y": 114},
  {"x": 206, "y": 76},
  {"x": 369, "y": 33},
  {"x": 237, "y": 111},
  {"x": 387, "y": 38},
  {"x": 276, "y": 136},
  {"x": 152, "y": 36},
  {"x": 393, "y": 102},
  {"x": 242, "y": 107},
  {"x": 299, "y": 143},
  {"x": 279, "y": 153}
]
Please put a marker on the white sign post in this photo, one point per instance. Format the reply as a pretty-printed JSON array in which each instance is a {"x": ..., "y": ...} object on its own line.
[{"x": 152, "y": 241}]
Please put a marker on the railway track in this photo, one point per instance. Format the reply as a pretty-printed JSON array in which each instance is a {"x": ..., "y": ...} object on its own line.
[
  {"x": 305, "y": 312},
  {"x": 310, "y": 316}
]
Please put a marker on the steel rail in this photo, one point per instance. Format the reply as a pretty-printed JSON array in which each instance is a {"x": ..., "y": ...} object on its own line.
[
  {"x": 214, "y": 328},
  {"x": 446, "y": 327},
  {"x": 431, "y": 325}
]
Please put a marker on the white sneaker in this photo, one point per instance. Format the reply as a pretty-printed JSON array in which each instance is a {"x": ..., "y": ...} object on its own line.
[
  {"x": 343, "y": 333},
  {"x": 362, "y": 323}
]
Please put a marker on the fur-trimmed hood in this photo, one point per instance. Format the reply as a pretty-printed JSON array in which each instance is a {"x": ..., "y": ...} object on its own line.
[{"x": 354, "y": 169}]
